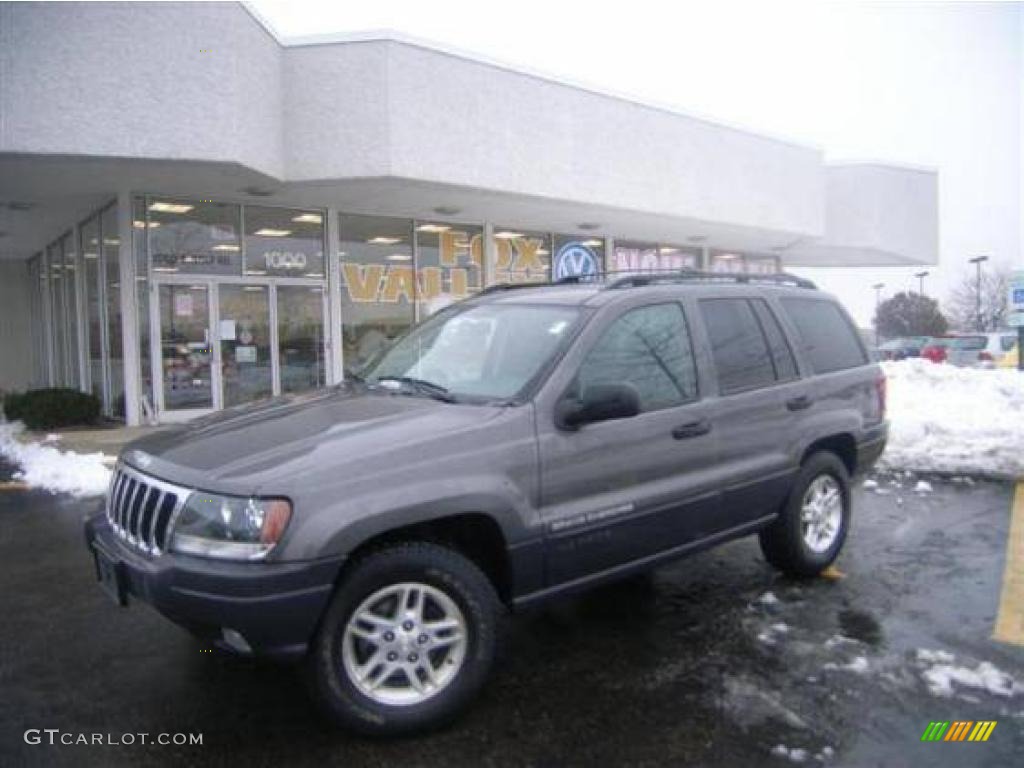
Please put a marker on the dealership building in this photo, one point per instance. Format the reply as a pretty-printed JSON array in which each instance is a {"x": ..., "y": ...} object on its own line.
[{"x": 195, "y": 213}]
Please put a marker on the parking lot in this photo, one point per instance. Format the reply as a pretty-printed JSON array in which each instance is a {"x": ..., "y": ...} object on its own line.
[{"x": 714, "y": 661}]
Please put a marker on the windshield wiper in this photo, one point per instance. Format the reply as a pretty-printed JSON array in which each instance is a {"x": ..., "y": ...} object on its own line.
[{"x": 428, "y": 388}]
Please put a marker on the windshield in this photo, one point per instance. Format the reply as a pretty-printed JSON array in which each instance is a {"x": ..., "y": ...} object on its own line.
[{"x": 489, "y": 351}]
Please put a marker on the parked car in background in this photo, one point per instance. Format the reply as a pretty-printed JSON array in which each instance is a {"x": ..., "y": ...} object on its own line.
[
  {"x": 937, "y": 348},
  {"x": 902, "y": 348},
  {"x": 981, "y": 350},
  {"x": 1010, "y": 359}
]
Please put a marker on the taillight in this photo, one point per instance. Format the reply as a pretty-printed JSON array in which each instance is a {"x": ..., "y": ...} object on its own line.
[
  {"x": 985, "y": 357},
  {"x": 880, "y": 390}
]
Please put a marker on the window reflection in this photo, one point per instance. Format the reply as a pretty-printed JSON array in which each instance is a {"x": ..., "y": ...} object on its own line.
[
  {"x": 188, "y": 236},
  {"x": 284, "y": 241},
  {"x": 449, "y": 259},
  {"x": 378, "y": 285},
  {"x": 520, "y": 256}
]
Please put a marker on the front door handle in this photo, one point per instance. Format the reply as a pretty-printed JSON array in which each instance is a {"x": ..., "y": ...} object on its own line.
[
  {"x": 693, "y": 429},
  {"x": 799, "y": 403}
]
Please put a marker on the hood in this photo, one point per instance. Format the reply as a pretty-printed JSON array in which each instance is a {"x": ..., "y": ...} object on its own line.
[{"x": 271, "y": 445}]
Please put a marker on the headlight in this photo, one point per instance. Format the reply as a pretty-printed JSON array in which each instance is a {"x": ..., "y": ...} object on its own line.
[{"x": 229, "y": 527}]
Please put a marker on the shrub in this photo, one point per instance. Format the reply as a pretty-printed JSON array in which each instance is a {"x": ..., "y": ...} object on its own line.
[{"x": 52, "y": 408}]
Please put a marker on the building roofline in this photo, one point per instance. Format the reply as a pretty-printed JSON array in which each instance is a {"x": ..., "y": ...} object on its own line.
[{"x": 396, "y": 36}]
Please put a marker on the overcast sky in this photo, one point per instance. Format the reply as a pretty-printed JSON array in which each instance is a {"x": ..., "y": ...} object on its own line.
[{"x": 936, "y": 85}]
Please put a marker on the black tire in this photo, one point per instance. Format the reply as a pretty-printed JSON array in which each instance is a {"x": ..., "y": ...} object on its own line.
[
  {"x": 783, "y": 542},
  {"x": 424, "y": 563}
]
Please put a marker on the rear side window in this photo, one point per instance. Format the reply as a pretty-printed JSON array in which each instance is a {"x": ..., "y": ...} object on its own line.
[
  {"x": 782, "y": 355},
  {"x": 738, "y": 345},
  {"x": 649, "y": 348},
  {"x": 827, "y": 339}
]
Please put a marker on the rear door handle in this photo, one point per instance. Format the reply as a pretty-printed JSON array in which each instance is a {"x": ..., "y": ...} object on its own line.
[
  {"x": 799, "y": 403},
  {"x": 693, "y": 429}
]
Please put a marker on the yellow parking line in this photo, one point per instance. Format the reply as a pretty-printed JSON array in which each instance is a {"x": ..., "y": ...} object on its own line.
[{"x": 1010, "y": 621}]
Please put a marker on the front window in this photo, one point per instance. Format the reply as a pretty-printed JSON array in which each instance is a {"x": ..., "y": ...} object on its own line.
[{"x": 490, "y": 352}]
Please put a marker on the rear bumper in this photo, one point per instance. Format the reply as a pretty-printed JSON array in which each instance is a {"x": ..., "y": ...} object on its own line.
[
  {"x": 871, "y": 446},
  {"x": 274, "y": 606}
]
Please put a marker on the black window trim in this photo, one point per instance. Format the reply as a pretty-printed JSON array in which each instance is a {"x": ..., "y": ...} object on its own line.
[{"x": 689, "y": 336}]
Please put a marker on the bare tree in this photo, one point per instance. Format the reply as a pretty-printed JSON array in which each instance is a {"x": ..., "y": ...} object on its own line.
[{"x": 962, "y": 305}]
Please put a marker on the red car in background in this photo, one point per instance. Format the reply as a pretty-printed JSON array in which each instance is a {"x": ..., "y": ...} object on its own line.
[{"x": 936, "y": 348}]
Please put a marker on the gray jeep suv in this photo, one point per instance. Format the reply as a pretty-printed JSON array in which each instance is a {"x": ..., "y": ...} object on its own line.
[{"x": 523, "y": 444}]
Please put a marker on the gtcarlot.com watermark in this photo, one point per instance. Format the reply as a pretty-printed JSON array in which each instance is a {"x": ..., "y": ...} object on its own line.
[{"x": 56, "y": 737}]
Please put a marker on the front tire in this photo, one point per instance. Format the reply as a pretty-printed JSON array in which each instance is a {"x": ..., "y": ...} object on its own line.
[
  {"x": 407, "y": 641},
  {"x": 811, "y": 529}
]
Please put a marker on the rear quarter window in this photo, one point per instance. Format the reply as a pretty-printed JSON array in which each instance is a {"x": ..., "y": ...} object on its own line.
[{"x": 827, "y": 339}]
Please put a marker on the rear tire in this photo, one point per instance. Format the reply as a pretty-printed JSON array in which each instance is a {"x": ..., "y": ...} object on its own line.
[
  {"x": 407, "y": 642},
  {"x": 811, "y": 528}
]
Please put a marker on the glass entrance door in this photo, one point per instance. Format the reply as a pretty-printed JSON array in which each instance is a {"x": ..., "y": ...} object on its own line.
[
  {"x": 185, "y": 345},
  {"x": 247, "y": 370},
  {"x": 226, "y": 342}
]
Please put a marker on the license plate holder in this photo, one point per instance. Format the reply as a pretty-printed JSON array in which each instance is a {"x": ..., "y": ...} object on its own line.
[{"x": 110, "y": 574}]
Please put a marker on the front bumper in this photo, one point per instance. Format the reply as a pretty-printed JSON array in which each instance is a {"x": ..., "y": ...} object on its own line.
[{"x": 274, "y": 606}]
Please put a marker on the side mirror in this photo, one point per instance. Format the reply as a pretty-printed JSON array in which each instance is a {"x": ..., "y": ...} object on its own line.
[{"x": 600, "y": 402}]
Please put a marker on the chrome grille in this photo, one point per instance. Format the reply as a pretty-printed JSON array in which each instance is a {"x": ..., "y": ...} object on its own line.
[{"x": 141, "y": 508}]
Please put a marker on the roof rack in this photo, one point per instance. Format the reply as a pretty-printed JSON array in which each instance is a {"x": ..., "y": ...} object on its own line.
[
  {"x": 641, "y": 279},
  {"x": 637, "y": 280}
]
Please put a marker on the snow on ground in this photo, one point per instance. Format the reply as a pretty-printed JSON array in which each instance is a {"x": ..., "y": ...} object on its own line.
[
  {"x": 43, "y": 466},
  {"x": 941, "y": 673},
  {"x": 950, "y": 419}
]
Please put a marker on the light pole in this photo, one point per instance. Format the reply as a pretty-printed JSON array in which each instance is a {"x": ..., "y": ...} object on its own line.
[
  {"x": 878, "y": 294},
  {"x": 920, "y": 281},
  {"x": 977, "y": 261}
]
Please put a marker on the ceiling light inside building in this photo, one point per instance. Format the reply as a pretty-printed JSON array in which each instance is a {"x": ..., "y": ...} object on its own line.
[
  {"x": 271, "y": 232},
  {"x": 726, "y": 256},
  {"x": 542, "y": 251},
  {"x": 399, "y": 257},
  {"x": 508, "y": 235},
  {"x": 593, "y": 243},
  {"x": 381, "y": 240},
  {"x": 111, "y": 241},
  {"x": 161, "y": 207},
  {"x": 432, "y": 228},
  {"x": 225, "y": 247},
  {"x": 308, "y": 218},
  {"x": 165, "y": 269},
  {"x": 666, "y": 249},
  {"x": 142, "y": 224}
]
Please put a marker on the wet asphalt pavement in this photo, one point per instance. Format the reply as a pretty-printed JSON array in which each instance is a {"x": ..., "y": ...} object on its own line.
[{"x": 716, "y": 660}]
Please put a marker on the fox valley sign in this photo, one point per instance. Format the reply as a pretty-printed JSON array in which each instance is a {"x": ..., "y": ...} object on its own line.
[{"x": 457, "y": 273}]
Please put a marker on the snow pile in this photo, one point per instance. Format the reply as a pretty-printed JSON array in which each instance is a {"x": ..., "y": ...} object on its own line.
[
  {"x": 42, "y": 466},
  {"x": 943, "y": 673},
  {"x": 950, "y": 419}
]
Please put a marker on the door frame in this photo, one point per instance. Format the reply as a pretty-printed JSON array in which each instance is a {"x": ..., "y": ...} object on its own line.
[{"x": 212, "y": 284}]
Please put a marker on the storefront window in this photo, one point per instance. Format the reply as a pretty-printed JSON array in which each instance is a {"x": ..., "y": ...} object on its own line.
[
  {"x": 55, "y": 268},
  {"x": 521, "y": 257},
  {"x": 70, "y": 311},
  {"x": 244, "y": 330},
  {"x": 300, "y": 337},
  {"x": 188, "y": 236},
  {"x": 726, "y": 262},
  {"x": 283, "y": 241},
  {"x": 90, "y": 233},
  {"x": 577, "y": 257},
  {"x": 735, "y": 262},
  {"x": 111, "y": 244},
  {"x": 142, "y": 301},
  {"x": 634, "y": 258},
  {"x": 378, "y": 284},
  {"x": 449, "y": 259}
]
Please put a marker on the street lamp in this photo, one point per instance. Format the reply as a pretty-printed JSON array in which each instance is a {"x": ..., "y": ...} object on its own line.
[
  {"x": 977, "y": 261},
  {"x": 878, "y": 293},
  {"x": 920, "y": 281}
]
